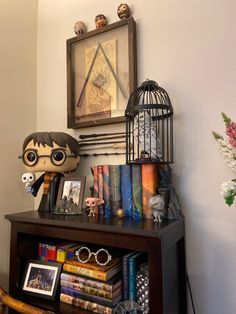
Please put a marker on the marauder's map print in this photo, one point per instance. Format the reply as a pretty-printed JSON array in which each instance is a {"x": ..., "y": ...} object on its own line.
[{"x": 101, "y": 89}]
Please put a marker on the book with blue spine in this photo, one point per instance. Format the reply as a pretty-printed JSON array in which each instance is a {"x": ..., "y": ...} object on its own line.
[
  {"x": 126, "y": 190},
  {"x": 134, "y": 261},
  {"x": 125, "y": 274}
]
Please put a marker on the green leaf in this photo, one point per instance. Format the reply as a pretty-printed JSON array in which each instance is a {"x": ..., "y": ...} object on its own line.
[
  {"x": 229, "y": 200},
  {"x": 217, "y": 136},
  {"x": 225, "y": 118}
]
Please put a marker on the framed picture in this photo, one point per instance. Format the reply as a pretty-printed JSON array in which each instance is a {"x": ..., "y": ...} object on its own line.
[
  {"x": 70, "y": 196},
  {"x": 101, "y": 74},
  {"x": 41, "y": 279}
]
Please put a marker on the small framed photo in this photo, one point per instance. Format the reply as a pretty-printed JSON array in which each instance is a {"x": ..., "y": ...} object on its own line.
[
  {"x": 41, "y": 279},
  {"x": 101, "y": 74},
  {"x": 70, "y": 196}
]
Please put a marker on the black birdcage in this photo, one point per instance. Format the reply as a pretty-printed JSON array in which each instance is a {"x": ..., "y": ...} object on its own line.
[{"x": 149, "y": 125}]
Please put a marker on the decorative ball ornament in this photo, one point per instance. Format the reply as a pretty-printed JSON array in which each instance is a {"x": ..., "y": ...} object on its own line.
[
  {"x": 80, "y": 28},
  {"x": 100, "y": 21},
  {"x": 120, "y": 213},
  {"x": 142, "y": 285},
  {"x": 123, "y": 11}
]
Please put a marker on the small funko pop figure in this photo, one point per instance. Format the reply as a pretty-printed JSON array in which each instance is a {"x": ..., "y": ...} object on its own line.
[
  {"x": 100, "y": 21},
  {"x": 93, "y": 203},
  {"x": 28, "y": 178},
  {"x": 158, "y": 206},
  {"x": 80, "y": 28},
  {"x": 123, "y": 11},
  {"x": 52, "y": 153}
]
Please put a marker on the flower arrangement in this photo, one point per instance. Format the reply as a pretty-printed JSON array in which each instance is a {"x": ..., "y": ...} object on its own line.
[{"x": 227, "y": 147}]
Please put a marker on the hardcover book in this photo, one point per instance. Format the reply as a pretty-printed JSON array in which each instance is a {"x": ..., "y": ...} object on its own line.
[
  {"x": 106, "y": 191},
  {"x": 126, "y": 190},
  {"x": 62, "y": 251},
  {"x": 100, "y": 187},
  {"x": 115, "y": 199},
  {"x": 108, "y": 286},
  {"x": 137, "y": 192},
  {"x": 90, "y": 297},
  {"x": 134, "y": 261},
  {"x": 91, "y": 290},
  {"x": 149, "y": 187},
  {"x": 102, "y": 273},
  {"x": 87, "y": 305},
  {"x": 125, "y": 275}
]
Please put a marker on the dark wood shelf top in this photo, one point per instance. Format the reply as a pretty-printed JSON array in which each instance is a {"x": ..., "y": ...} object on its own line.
[{"x": 143, "y": 228}]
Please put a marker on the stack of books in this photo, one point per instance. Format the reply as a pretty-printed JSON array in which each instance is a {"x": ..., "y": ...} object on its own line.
[{"x": 91, "y": 286}]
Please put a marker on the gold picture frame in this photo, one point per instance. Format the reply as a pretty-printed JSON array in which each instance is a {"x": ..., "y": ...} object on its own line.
[{"x": 101, "y": 74}]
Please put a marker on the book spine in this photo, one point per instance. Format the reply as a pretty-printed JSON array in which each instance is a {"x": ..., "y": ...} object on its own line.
[
  {"x": 132, "y": 279},
  {"x": 52, "y": 253},
  {"x": 106, "y": 191},
  {"x": 62, "y": 252},
  {"x": 126, "y": 190},
  {"x": 86, "y": 296},
  {"x": 137, "y": 191},
  {"x": 87, "y": 305},
  {"x": 87, "y": 289},
  {"x": 115, "y": 198},
  {"x": 149, "y": 187},
  {"x": 87, "y": 282},
  {"x": 40, "y": 250},
  {"x": 125, "y": 275},
  {"x": 100, "y": 187},
  {"x": 95, "y": 181},
  {"x": 85, "y": 272}
]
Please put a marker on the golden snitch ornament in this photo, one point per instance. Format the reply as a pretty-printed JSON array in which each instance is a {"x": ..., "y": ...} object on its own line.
[{"x": 120, "y": 213}]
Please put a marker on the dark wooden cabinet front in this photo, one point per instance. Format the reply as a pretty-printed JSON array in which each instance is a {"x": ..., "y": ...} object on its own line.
[{"x": 164, "y": 244}]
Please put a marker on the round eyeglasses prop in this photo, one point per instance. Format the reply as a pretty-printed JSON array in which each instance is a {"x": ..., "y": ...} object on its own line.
[
  {"x": 102, "y": 256},
  {"x": 57, "y": 157}
]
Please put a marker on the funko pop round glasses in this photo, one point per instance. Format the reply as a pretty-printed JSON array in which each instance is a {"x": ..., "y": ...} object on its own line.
[
  {"x": 57, "y": 157},
  {"x": 102, "y": 256}
]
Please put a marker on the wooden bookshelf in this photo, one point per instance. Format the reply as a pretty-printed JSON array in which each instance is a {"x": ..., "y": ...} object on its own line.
[{"x": 163, "y": 243}]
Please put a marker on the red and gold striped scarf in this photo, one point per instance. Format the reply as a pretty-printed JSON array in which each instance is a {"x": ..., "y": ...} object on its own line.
[{"x": 48, "y": 176}]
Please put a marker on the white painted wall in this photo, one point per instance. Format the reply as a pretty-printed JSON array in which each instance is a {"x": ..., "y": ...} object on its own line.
[{"x": 18, "y": 24}]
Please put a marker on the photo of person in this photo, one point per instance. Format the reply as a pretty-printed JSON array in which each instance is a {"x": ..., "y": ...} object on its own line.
[
  {"x": 41, "y": 278},
  {"x": 71, "y": 191}
]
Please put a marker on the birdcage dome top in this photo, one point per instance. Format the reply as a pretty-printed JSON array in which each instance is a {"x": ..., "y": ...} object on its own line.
[{"x": 149, "y": 95}]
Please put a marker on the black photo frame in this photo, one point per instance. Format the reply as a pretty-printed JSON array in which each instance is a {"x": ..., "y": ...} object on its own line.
[
  {"x": 41, "y": 279},
  {"x": 70, "y": 196}
]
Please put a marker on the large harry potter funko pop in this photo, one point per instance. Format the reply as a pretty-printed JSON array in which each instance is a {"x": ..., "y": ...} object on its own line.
[{"x": 53, "y": 153}]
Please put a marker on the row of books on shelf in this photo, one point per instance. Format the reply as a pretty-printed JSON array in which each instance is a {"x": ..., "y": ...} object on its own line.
[
  {"x": 99, "y": 288},
  {"x": 125, "y": 186},
  {"x": 57, "y": 250}
]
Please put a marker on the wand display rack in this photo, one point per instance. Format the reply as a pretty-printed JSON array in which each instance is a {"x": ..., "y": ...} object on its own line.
[{"x": 164, "y": 244}]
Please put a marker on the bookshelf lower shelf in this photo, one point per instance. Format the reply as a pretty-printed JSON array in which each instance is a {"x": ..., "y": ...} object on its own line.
[{"x": 163, "y": 243}]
